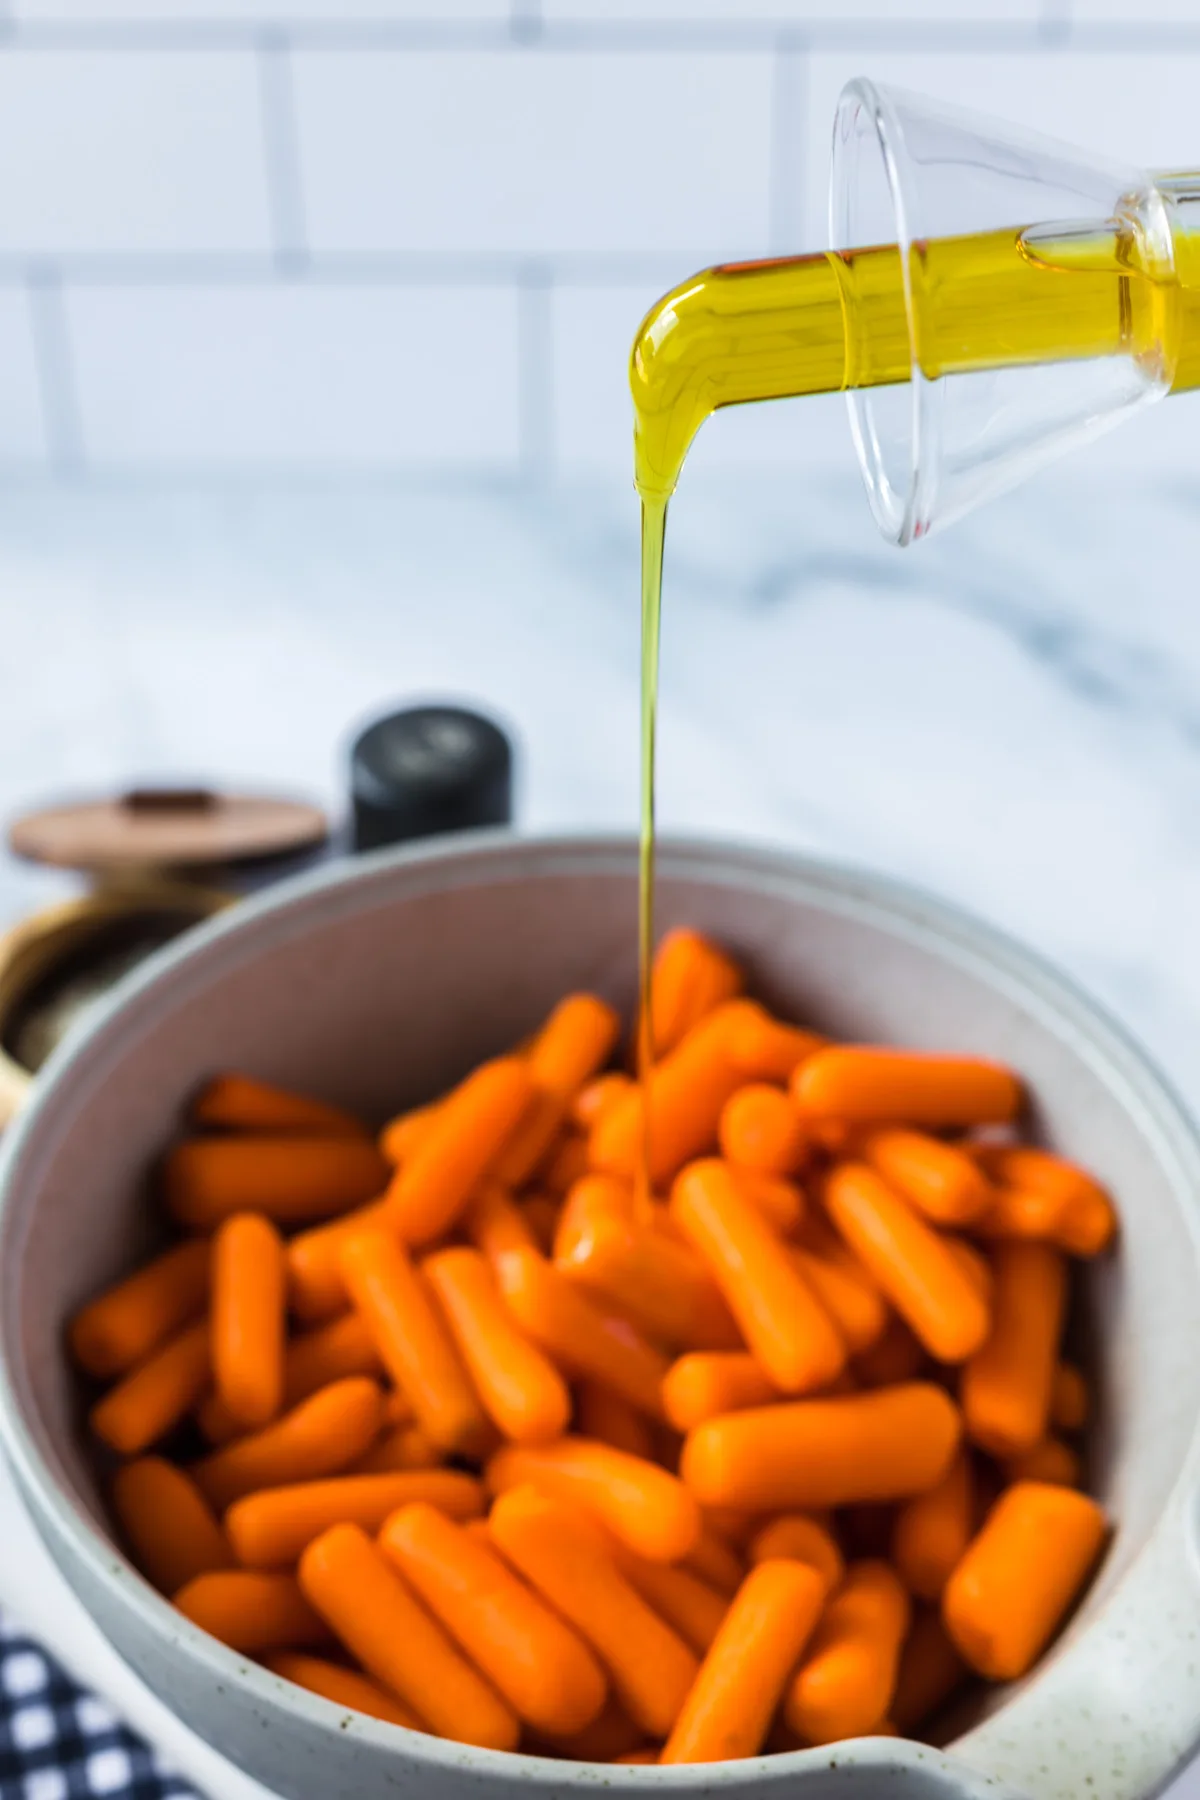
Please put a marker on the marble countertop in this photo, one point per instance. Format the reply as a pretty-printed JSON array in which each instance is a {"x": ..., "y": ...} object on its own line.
[{"x": 1009, "y": 714}]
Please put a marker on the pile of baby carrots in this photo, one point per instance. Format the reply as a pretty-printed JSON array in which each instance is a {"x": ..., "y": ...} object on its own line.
[{"x": 472, "y": 1427}]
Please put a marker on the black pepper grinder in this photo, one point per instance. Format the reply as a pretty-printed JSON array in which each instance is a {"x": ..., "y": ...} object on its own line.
[{"x": 425, "y": 770}]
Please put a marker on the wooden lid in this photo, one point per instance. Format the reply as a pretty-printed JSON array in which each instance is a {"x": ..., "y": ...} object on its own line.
[{"x": 167, "y": 828}]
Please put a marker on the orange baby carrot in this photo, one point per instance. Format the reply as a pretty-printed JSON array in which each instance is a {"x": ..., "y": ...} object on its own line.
[
  {"x": 293, "y": 1180},
  {"x": 896, "y": 1356},
  {"x": 598, "y": 1096},
  {"x": 1006, "y": 1387},
  {"x": 342, "y": 1686},
  {"x": 845, "y": 1684},
  {"x": 400, "y": 1448},
  {"x": 760, "y": 1129},
  {"x": 156, "y": 1394},
  {"x": 607, "y": 1738},
  {"x": 541, "y": 1667},
  {"x": 727, "y": 1714},
  {"x": 233, "y": 1102},
  {"x": 690, "y": 1606},
  {"x": 520, "y": 1388},
  {"x": 578, "y": 1334},
  {"x": 933, "y": 1530},
  {"x": 412, "y": 1339},
  {"x": 931, "y": 1671},
  {"x": 705, "y": 1384},
  {"x": 687, "y": 1090},
  {"x": 320, "y": 1436},
  {"x": 251, "y": 1612},
  {"x": 272, "y": 1527},
  {"x": 855, "y": 1305},
  {"x": 639, "y": 1759},
  {"x": 1010, "y": 1592},
  {"x": 715, "y": 1561},
  {"x": 883, "y": 1445},
  {"x": 401, "y": 1135},
  {"x": 1051, "y": 1461},
  {"x": 650, "y": 1666},
  {"x": 766, "y": 1050},
  {"x": 800, "y": 1538},
  {"x": 576, "y": 1040},
  {"x": 1085, "y": 1219},
  {"x": 781, "y": 1203},
  {"x": 167, "y": 1524},
  {"x": 315, "y": 1358},
  {"x": 973, "y": 1263},
  {"x": 316, "y": 1291},
  {"x": 1069, "y": 1402},
  {"x": 604, "y": 1416},
  {"x": 111, "y": 1334},
  {"x": 564, "y": 1166},
  {"x": 642, "y": 1505},
  {"x": 872, "y": 1085},
  {"x": 248, "y": 1321},
  {"x": 495, "y": 1224},
  {"x": 540, "y": 1213},
  {"x": 787, "y": 1330},
  {"x": 372, "y": 1610},
  {"x": 689, "y": 978},
  {"x": 1021, "y": 1213},
  {"x": 651, "y": 1277},
  {"x": 430, "y": 1190},
  {"x": 912, "y": 1265},
  {"x": 939, "y": 1180}
]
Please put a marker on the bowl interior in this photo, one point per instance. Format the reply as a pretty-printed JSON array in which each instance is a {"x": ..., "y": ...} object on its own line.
[{"x": 378, "y": 988}]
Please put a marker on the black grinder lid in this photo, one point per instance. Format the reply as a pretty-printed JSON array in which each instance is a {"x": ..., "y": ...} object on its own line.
[{"x": 428, "y": 769}]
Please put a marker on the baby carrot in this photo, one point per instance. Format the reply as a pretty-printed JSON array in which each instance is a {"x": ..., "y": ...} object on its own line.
[
  {"x": 272, "y": 1527},
  {"x": 800, "y": 1538},
  {"x": 604, "y": 1416},
  {"x": 541, "y": 1667},
  {"x": 318, "y": 1437},
  {"x": 939, "y": 1180},
  {"x": 787, "y": 1330},
  {"x": 931, "y": 1671},
  {"x": 642, "y": 1505},
  {"x": 650, "y": 1666},
  {"x": 705, "y": 1384},
  {"x": 760, "y": 1129},
  {"x": 430, "y": 1190},
  {"x": 372, "y": 1610},
  {"x": 780, "y": 1202},
  {"x": 895, "y": 1356},
  {"x": 607, "y": 1738},
  {"x": 293, "y": 1180},
  {"x": 1051, "y": 1461},
  {"x": 690, "y": 1606},
  {"x": 845, "y": 1684},
  {"x": 598, "y": 1096},
  {"x": 520, "y": 1388},
  {"x": 412, "y": 1340},
  {"x": 342, "y": 1686},
  {"x": 933, "y": 1530},
  {"x": 167, "y": 1524},
  {"x": 401, "y": 1135},
  {"x": 639, "y": 1759},
  {"x": 576, "y": 1040},
  {"x": 578, "y": 1334},
  {"x": 248, "y": 1320},
  {"x": 715, "y": 1561},
  {"x": 883, "y": 1445},
  {"x": 912, "y": 1265},
  {"x": 251, "y": 1612},
  {"x": 871, "y": 1085},
  {"x": 540, "y": 1213},
  {"x": 656, "y": 1281},
  {"x": 402, "y": 1447},
  {"x": 855, "y": 1305},
  {"x": 1006, "y": 1386},
  {"x": 728, "y": 1711},
  {"x": 1084, "y": 1216},
  {"x": 564, "y": 1166},
  {"x": 495, "y": 1224},
  {"x": 233, "y": 1102},
  {"x": 1069, "y": 1399},
  {"x": 687, "y": 1090},
  {"x": 156, "y": 1394},
  {"x": 766, "y": 1050},
  {"x": 1010, "y": 1592},
  {"x": 109, "y": 1335},
  {"x": 315, "y": 1358},
  {"x": 316, "y": 1291},
  {"x": 690, "y": 976},
  {"x": 973, "y": 1264}
]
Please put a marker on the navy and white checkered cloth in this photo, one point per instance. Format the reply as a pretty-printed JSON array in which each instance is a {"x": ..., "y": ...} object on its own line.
[{"x": 59, "y": 1743}]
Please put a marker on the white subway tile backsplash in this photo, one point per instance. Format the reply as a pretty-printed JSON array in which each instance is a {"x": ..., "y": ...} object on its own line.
[
  {"x": 297, "y": 377},
  {"x": 130, "y": 152},
  {"x": 536, "y": 153},
  {"x": 783, "y": 12},
  {"x": 22, "y": 431},
  {"x": 254, "y": 12}
]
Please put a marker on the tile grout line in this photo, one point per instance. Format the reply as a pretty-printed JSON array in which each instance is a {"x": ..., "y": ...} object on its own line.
[
  {"x": 281, "y": 152},
  {"x": 56, "y": 377},
  {"x": 535, "y": 372}
]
